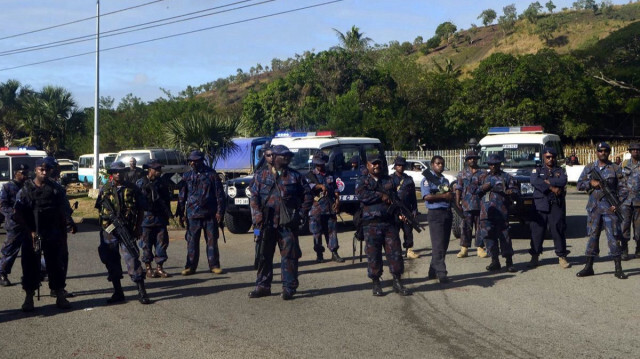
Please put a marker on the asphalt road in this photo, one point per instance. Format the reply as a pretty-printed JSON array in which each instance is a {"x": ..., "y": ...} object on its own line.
[{"x": 540, "y": 313}]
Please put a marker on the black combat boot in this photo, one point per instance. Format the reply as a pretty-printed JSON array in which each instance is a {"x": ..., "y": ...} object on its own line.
[
  {"x": 495, "y": 264},
  {"x": 27, "y": 306},
  {"x": 377, "y": 288},
  {"x": 142, "y": 293},
  {"x": 399, "y": 288},
  {"x": 4, "y": 280},
  {"x": 61, "y": 299},
  {"x": 510, "y": 267},
  {"x": 588, "y": 268},
  {"x": 618, "y": 273},
  {"x": 336, "y": 257},
  {"x": 534, "y": 262},
  {"x": 118, "y": 294},
  {"x": 637, "y": 249},
  {"x": 625, "y": 250},
  {"x": 259, "y": 292},
  {"x": 319, "y": 257}
]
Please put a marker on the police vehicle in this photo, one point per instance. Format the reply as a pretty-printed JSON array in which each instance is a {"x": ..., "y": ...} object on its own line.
[
  {"x": 10, "y": 158},
  {"x": 303, "y": 145},
  {"x": 521, "y": 151}
]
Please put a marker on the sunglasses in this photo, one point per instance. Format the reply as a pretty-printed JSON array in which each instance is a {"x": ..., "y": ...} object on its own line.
[
  {"x": 438, "y": 163},
  {"x": 549, "y": 157},
  {"x": 268, "y": 155},
  {"x": 604, "y": 151}
]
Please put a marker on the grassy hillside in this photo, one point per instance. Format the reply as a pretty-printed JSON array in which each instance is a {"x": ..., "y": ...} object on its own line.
[{"x": 597, "y": 37}]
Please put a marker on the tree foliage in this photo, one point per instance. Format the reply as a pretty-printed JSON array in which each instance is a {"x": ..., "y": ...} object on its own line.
[{"x": 487, "y": 16}]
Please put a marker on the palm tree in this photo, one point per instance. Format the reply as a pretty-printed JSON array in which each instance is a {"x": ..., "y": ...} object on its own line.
[
  {"x": 46, "y": 115},
  {"x": 11, "y": 94},
  {"x": 209, "y": 134},
  {"x": 353, "y": 40}
]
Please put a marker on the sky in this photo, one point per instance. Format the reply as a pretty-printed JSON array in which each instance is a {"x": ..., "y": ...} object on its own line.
[{"x": 229, "y": 34}]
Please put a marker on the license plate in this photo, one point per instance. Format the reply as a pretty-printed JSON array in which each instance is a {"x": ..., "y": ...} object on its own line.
[
  {"x": 348, "y": 197},
  {"x": 528, "y": 201},
  {"x": 241, "y": 201}
]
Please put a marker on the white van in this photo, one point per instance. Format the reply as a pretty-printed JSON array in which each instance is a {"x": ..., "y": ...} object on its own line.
[
  {"x": 173, "y": 161},
  {"x": 10, "y": 158},
  {"x": 86, "y": 168}
]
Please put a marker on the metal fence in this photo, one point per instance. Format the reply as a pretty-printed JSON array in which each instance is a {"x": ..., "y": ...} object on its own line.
[{"x": 454, "y": 159}]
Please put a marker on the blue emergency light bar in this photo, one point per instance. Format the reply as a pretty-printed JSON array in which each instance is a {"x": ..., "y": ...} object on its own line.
[
  {"x": 518, "y": 129},
  {"x": 304, "y": 134}
]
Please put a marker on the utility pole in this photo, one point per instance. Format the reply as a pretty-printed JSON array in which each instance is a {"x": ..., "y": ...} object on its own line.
[{"x": 96, "y": 115}]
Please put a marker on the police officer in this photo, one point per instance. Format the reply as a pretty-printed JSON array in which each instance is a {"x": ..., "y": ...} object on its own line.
[
  {"x": 437, "y": 196},
  {"x": 203, "y": 200},
  {"x": 407, "y": 193},
  {"x": 16, "y": 233},
  {"x": 276, "y": 198},
  {"x": 494, "y": 188},
  {"x": 133, "y": 173},
  {"x": 355, "y": 163},
  {"x": 375, "y": 191},
  {"x": 600, "y": 213},
  {"x": 156, "y": 219},
  {"x": 43, "y": 209},
  {"x": 469, "y": 204},
  {"x": 549, "y": 182},
  {"x": 630, "y": 192},
  {"x": 323, "y": 217},
  {"x": 129, "y": 204}
]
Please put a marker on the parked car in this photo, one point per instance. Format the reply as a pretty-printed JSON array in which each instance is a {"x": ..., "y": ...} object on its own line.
[
  {"x": 174, "y": 163},
  {"x": 416, "y": 167},
  {"x": 68, "y": 171}
]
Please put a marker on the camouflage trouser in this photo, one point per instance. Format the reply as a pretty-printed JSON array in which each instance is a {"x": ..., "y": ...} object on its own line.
[
  {"x": 157, "y": 237},
  {"x": 324, "y": 224},
  {"x": 10, "y": 250},
  {"x": 492, "y": 232},
  {"x": 378, "y": 235},
  {"x": 192, "y": 236},
  {"x": 631, "y": 215},
  {"x": 611, "y": 224},
  {"x": 290, "y": 253},
  {"x": 110, "y": 251},
  {"x": 56, "y": 254},
  {"x": 555, "y": 219},
  {"x": 469, "y": 220}
]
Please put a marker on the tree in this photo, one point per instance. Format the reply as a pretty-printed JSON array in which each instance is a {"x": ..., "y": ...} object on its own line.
[
  {"x": 209, "y": 134},
  {"x": 487, "y": 16},
  {"x": 532, "y": 12},
  {"x": 550, "y": 6},
  {"x": 353, "y": 40},
  {"x": 508, "y": 20},
  {"x": 11, "y": 95},
  {"x": 445, "y": 30},
  {"x": 545, "y": 29}
]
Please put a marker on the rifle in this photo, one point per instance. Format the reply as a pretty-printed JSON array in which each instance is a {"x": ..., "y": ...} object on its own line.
[
  {"x": 397, "y": 207},
  {"x": 221, "y": 225},
  {"x": 606, "y": 191},
  {"x": 37, "y": 248},
  {"x": 261, "y": 237},
  {"x": 357, "y": 235},
  {"x": 120, "y": 230}
]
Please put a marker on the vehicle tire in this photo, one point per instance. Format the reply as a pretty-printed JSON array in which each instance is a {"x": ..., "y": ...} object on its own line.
[
  {"x": 237, "y": 223},
  {"x": 456, "y": 228}
]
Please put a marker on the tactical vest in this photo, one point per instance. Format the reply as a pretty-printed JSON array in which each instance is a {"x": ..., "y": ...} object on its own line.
[
  {"x": 124, "y": 205},
  {"x": 46, "y": 204}
]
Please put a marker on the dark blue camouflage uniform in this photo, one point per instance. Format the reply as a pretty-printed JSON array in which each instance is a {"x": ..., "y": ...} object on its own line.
[
  {"x": 126, "y": 199},
  {"x": 407, "y": 193},
  {"x": 51, "y": 202},
  {"x": 467, "y": 183},
  {"x": 493, "y": 224},
  {"x": 630, "y": 195},
  {"x": 599, "y": 214},
  {"x": 379, "y": 226},
  {"x": 276, "y": 191},
  {"x": 549, "y": 210},
  {"x": 202, "y": 197},
  {"x": 155, "y": 220},
  {"x": 16, "y": 233},
  {"x": 322, "y": 217}
]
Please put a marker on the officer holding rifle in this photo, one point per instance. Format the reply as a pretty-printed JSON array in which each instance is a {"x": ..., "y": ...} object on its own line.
[{"x": 602, "y": 180}]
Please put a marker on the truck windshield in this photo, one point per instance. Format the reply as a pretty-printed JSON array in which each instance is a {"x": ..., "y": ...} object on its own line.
[
  {"x": 513, "y": 155},
  {"x": 301, "y": 160}
]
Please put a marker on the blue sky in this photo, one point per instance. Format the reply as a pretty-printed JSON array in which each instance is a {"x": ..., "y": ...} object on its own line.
[{"x": 201, "y": 57}]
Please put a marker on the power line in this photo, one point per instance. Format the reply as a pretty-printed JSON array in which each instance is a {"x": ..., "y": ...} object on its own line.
[
  {"x": 77, "y": 21},
  {"x": 120, "y": 31},
  {"x": 176, "y": 35}
]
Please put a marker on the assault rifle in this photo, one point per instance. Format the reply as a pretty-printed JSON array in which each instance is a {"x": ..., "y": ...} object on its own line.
[
  {"x": 119, "y": 229},
  {"x": 37, "y": 248},
  {"x": 261, "y": 237},
  {"x": 398, "y": 208},
  {"x": 607, "y": 193}
]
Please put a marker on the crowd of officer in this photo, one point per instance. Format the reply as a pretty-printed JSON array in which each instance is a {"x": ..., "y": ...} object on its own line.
[{"x": 135, "y": 204}]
